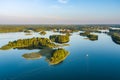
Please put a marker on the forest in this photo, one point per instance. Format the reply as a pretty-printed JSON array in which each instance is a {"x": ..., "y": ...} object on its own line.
[
  {"x": 90, "y": 36},
  {"x": 58, "y": 56},
  {"x": 38, "y": 28},
  {"x": 33, "y": 43},
  {"x": 52, "y": 56},
  {"x": 116, "y": 37},
  {"x": 60, "y": 38}
]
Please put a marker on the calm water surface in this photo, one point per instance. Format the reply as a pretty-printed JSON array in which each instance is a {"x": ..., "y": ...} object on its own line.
[{"x": 102, "y": 62}]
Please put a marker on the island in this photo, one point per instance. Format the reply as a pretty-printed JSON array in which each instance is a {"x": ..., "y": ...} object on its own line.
[
  {"x": 52, "y": 56},
  {"x": 43, "y": 33},
  {"x": 32, "y": 43},
  {"x": 90, "y": 36},
  {"x": 28, "y": 32},
  {"x": 86, "y": 33},
  {"x": 58, "y": 56},
  {"x": 60, "y": 38},
  {"x": 116, "y": 37},
  {"x": 32, "y": 56}
]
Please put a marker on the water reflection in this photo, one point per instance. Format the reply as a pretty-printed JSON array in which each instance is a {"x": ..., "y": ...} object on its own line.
[
  {"x": 52, "y": 56},
  {"x": 100, "y": 55},
  {"x": 115, "y": 41}
]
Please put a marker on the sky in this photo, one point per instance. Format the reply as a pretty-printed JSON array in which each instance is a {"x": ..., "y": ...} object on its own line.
[{"x": 59, "y": 11}]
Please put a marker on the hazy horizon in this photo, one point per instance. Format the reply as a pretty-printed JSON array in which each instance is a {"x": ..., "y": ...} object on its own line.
[{"x": 59, "y": 12}]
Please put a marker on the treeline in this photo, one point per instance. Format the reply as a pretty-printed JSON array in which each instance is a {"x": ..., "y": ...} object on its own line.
[
  {"x": 38, "y": 28},
  {"x": 11, "y": 28},
  {"x": 33, "y": 43}
]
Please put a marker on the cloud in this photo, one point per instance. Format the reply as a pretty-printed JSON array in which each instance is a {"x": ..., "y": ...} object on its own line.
[{"x": 63, "y": 1}]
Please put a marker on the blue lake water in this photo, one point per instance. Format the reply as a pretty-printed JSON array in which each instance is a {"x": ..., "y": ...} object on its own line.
[{"x": 102, "y": 62}]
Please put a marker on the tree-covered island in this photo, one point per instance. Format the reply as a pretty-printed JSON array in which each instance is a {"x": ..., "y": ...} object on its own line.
[
  {"x": 58, "y": 56},
  {"x": 90, "y": 36},
  {"x": 116, "y": 37},
  {"x": 43, "y": 33},
  {"x": 33, "y": 43},
  {"x": 60, "y": 38},
  {"x": 53, "y": 56},
  {"x": 37, "y": 43}
]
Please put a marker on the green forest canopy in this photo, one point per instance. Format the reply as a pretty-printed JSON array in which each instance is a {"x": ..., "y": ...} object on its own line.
[
  {"x": 58, "y": 56},
  {"x": 38, "y": 28},
  {"x": 33, "y": 43},
  {"x": 60, "y": 38}
]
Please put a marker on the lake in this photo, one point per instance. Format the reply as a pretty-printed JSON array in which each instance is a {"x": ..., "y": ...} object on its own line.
[{"x": 88, "y": 60}]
